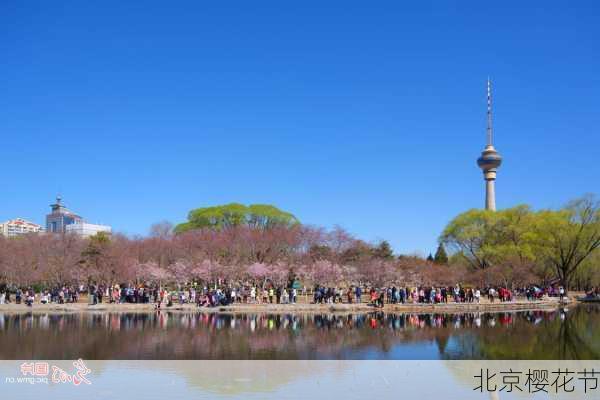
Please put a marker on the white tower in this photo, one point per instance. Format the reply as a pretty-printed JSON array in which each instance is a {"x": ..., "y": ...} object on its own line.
[{"x": 490, "y": 159}]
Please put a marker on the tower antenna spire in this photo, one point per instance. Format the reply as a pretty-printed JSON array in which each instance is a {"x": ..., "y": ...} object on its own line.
[{"x": 489, "y": 113}]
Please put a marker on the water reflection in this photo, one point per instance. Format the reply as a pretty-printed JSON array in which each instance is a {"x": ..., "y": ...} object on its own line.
[{"x": 555, "y": 334}]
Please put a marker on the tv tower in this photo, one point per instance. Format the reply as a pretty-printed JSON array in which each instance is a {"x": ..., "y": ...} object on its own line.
[{"x": 490, "y": 159}]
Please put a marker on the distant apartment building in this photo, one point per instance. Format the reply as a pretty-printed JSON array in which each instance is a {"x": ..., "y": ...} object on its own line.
[
  {"x": 62, "y": 220},
  {"x": 19, "y": 226},
  {"x": 86, "y": 230}
]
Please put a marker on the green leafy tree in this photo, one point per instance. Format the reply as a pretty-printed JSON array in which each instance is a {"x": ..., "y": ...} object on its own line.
[
  {"x": 568, "y": 237},
  {"x": 512, "y": 237},
  {"x": 512, "y": 247},
  {"x": 588, "y": 274},
  {"x": 441, "y": 257},
  {"x": 517, "y": 244},
  {"x": 470, "y": 235},
  {"x": 259, "y": 216},
  {"x": 487, "y": 238}
]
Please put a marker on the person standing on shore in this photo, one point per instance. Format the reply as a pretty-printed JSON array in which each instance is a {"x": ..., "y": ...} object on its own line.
[
  {"x": 381, "y": 299},
  {"x": 349, "y": 294},
  {"x": 284, "y": 296},
  {"x": 491, "y": 294},
  {"x": 561, "y": 293},
  {"x": 374, "y": 297}
]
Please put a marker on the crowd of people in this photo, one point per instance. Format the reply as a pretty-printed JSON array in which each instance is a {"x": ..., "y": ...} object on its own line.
[
  {"x": 227, "y": 294},
  {"x": 416, "y": 295},
  {"x": 62, "y": 295},
  {"x": 193, "y": 294},
  {"x": 593, "y": 292}
]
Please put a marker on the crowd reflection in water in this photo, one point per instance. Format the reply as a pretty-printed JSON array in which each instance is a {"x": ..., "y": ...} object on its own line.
[
  {"x": 258, "y": 322},
  {"x": 174, "y": 335}
]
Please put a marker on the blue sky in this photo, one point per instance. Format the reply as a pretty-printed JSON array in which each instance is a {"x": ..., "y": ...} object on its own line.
[{"x": 366, "y": 115}]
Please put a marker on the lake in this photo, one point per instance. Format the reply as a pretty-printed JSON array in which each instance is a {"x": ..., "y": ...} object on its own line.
[{"x": 572, "y": 333}]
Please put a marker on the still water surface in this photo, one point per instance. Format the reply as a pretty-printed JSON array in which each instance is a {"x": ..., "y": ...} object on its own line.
[{"x": 559, "y": 334}]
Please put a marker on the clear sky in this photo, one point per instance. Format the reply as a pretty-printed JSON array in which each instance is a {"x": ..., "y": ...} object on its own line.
[{"x": 369, "y": 115}]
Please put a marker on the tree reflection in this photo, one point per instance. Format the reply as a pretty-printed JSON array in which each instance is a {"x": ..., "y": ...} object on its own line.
[
  {"x": 557, "y": 334},
  {"x": 535, "y": 335}
]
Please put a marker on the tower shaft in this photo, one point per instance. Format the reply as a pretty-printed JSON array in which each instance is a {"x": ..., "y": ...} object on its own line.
[{"x": 490, "y": 194}]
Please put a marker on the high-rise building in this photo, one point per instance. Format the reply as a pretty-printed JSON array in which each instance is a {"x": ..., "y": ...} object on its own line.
[
  {"x": 60, "y": 217},
  {"x": 19, "y": 226},
  {"x": 490, "y": 159},
  {"x": 86, "y": 230},
  {"x": 62, "y": 220}
]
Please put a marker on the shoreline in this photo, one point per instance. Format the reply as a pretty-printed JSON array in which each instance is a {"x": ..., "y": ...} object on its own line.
[{"x": 298, "y": 308}]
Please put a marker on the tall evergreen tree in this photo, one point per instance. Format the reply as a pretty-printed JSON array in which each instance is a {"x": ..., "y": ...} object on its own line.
[
  {"x": 383, "y": 250},
  {"x": 440, "y": 255}
]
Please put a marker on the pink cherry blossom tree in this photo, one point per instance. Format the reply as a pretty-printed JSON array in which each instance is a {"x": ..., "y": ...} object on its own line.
[
  {"x": 208, "y": 271},
  {"x": 279, "y": 273},
  {"x": 180, "y": 271},
  {"x": 257, "y": 272},
  {"x": 322, "y": 272}
]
